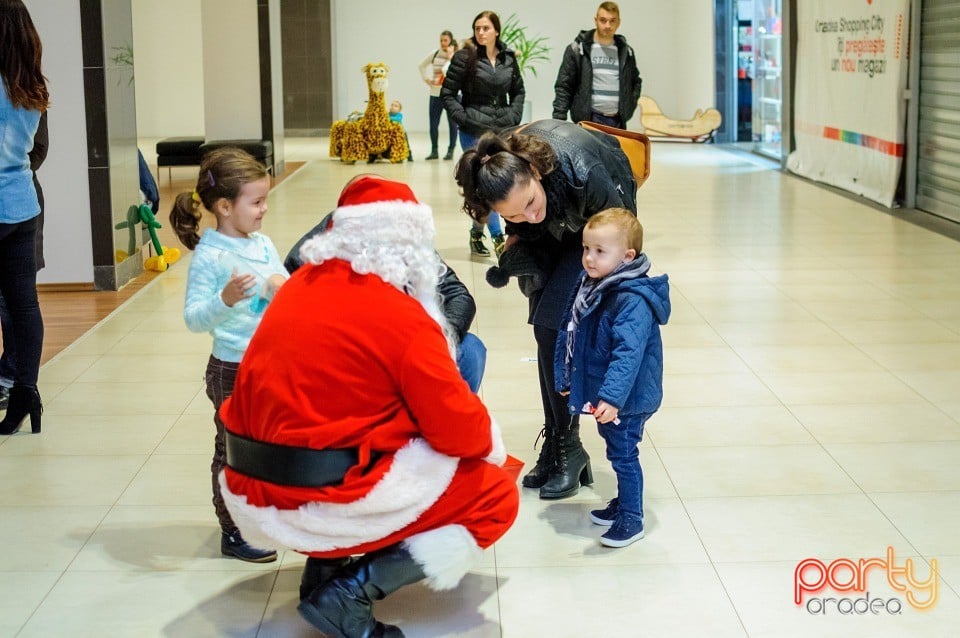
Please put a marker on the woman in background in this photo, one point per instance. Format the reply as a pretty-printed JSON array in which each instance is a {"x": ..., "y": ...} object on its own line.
[
  {"x": 433, "y": 68},
  {"x": 25, "y": 99},
  {"x": 485, "y": 75}
]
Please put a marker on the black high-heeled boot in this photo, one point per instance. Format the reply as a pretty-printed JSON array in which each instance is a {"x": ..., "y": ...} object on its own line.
[
  {"x": 572, "y": 468},
  {"x": 540, "y": 472},
  {"x": 24, "y": 401}
]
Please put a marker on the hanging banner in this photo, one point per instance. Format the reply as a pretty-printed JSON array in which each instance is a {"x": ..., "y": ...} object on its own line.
[{"x": 849, "y": 106}]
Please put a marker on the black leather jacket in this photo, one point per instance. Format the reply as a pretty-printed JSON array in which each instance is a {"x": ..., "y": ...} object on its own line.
[
  {"x": 459, "y": 308},
  {"x": 575, "y": 80},
  {"x": 492, "y": 97},
  {"x": 592, "y": 174}
]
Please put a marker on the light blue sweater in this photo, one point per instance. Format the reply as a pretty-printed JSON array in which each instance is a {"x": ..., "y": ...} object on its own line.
[
  {"x": 18, "y": 197},
  {"x": 214, "y": 260}
]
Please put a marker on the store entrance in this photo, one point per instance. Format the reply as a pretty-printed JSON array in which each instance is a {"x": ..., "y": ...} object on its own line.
[{"x": 754, "y": 75}]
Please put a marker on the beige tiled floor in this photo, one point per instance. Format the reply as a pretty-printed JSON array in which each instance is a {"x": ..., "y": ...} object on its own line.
[{"x": 812, "y": 368}]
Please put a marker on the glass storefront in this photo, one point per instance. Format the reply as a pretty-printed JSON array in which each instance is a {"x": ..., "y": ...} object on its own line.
[{"x": 758, "y": 33}]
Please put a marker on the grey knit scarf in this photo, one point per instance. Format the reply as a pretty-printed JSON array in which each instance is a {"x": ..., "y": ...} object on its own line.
[{"x": 591, "y": 289}]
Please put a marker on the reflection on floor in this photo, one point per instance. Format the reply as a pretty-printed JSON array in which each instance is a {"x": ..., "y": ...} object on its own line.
[{"x": 811, "y": 411}]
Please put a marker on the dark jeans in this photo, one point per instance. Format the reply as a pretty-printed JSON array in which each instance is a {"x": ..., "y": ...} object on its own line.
[
  {"x": 600, "y": 118},
  {"x": 555, "y": 410},
  {"x": 471, "y": 360},
  {"x": 220, "y": 377},
  {"x": 18, "y": 287},
  {"x": 8, "y": 364},
  {"x": 436, "y": 108},
  {"x": 623, "y": 452}
]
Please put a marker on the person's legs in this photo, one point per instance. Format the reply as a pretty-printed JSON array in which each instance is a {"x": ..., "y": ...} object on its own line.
[
  {"x": 468, "y": 140},
  {"x": 454, "y": 130},
  {"x": 7, "y": 358},
  {"x": 623, "y": 441},
  {"x": 18, "y": 285},
  {"x": 496, "y": 232},
  {"x": 436, "y": 106},
  {"x": 471, "y": 360},
  {"x": 220, "y": 378}
]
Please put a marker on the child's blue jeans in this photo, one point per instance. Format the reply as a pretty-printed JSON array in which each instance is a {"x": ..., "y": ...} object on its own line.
[{"x": 623, "y": 452}]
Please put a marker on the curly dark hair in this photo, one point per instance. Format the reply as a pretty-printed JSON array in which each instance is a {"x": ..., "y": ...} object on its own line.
[{"x": 487, "y": 173}]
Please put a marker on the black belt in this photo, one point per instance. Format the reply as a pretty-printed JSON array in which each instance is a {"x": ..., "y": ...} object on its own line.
[
  {"x": 493, "y": 100},
  {"x": 287, "y": 465}
]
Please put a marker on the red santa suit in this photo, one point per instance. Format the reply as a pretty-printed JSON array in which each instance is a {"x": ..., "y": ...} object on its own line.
[{"x": 350, "y": 355}]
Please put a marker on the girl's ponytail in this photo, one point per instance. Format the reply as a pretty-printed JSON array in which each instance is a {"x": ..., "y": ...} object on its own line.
[{"x": 185, "y": 219}]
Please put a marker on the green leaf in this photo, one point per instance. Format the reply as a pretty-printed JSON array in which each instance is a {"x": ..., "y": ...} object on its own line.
[{"x": 529, "y": 51}]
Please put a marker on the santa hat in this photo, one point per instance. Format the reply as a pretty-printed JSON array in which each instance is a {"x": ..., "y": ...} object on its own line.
[{"x": 383, "y": 209}]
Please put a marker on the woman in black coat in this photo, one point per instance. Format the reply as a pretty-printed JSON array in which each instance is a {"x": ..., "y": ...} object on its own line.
[
  {"x": 546, "y": 179},
  {"x": 483, "y": 91}
]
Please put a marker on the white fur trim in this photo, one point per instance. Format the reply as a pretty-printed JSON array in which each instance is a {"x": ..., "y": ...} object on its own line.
[
  {"x": 497, "y": 456},
  {"x": 446, "y": 554},
  {"x": 418, "y": 476}
]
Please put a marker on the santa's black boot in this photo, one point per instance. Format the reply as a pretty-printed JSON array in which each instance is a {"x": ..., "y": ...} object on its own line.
[
  {"x": 317, "y": 571},
  {"x": 343, "y": 608}
]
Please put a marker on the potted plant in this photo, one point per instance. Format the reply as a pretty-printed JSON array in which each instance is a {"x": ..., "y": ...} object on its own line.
[{"x": 528, "y": 51}]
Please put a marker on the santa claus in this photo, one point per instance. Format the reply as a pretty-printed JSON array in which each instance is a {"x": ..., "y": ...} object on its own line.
[{"x": 350, "y": 430}]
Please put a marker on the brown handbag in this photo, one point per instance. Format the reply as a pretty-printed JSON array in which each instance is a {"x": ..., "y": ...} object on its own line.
[{"x": 636, "y": 146}]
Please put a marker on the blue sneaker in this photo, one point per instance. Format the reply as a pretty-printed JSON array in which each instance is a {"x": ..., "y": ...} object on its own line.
[
  {"x": 607, "y": 515},
  {"x": 624, "y": 531}
]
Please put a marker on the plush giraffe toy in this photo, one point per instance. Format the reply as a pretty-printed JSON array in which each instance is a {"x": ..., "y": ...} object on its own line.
[{"x": 373, "y": 136}]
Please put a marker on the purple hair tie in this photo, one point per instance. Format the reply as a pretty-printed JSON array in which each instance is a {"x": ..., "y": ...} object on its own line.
[{"x": 210, "y": 177}]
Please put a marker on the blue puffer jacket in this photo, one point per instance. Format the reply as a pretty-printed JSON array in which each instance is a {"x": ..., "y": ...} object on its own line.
[{"x": 617, "y": 353}]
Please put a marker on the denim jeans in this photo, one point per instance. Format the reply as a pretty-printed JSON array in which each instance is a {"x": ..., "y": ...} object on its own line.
[
  {"x": 220, "y": 377},
  {"x": 468, "y": 141},
  {"x": 18, "y": 286},
  {"x": 8, "y": 365},
  {"x": 623, "y": 452},
  {"x": 436, "y": 109},
  {"x": 606, "y": 120},
  {"x": 471, "y": 360}
]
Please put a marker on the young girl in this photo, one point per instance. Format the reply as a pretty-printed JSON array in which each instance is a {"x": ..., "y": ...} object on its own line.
[{"x": 234, "y": 274}]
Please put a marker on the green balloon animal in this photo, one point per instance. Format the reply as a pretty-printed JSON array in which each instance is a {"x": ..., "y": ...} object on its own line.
[{"x": 143, "y": 214}]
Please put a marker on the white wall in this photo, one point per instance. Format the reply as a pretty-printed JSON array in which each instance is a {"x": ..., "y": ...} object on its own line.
[
  {"x": 168, "y": 54},
  {"x": 231, "y": 63},
  {"x": 673, "y": 42},
  {"x": 68, "y": 248}
]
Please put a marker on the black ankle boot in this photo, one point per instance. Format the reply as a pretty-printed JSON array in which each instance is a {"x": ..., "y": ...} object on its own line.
[
  {"x": 343, "y": 608},
  {"x": 234, "y": 545},
  {"x": 24, "y": 401},
  {"x": 449, "y": 155},
  {"x": 318, "y": 571},
  {"x": 433, "y": 154},
  {"x": 572, "y": 468},
  {"x": 540, "y": 472}
]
